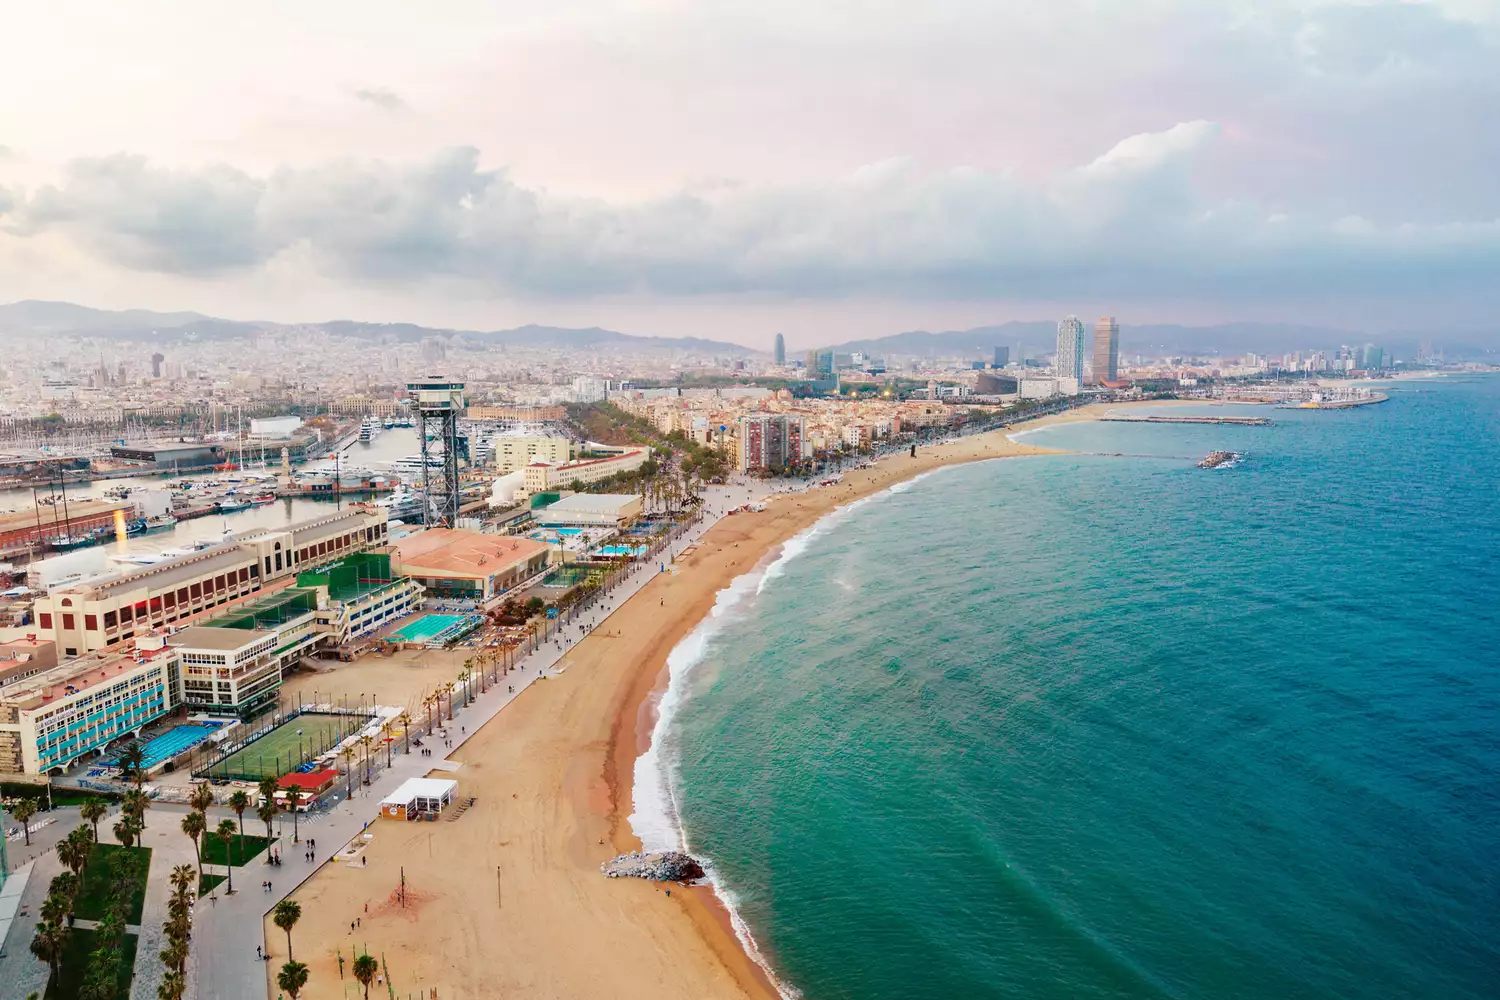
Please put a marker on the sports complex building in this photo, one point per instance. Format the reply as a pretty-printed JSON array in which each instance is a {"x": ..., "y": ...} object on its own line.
[{"x": 323, "y": 588}]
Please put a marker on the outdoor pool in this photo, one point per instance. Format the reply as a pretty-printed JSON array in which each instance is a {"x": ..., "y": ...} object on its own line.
[
  {"x": 171, "y": 743},
  {"x": 621, "y": 550},
  {"x": 426, "y": 627}
]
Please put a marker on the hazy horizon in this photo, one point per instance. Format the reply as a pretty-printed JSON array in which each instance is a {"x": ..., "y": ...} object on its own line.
[{"x": 724, "y": 172}]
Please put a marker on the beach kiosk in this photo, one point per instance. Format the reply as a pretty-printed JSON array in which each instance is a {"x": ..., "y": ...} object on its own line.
[{"x": 418, "y": 798}]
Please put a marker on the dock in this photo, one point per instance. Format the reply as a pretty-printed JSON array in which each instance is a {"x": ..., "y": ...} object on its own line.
[{"x": 1242, "y": 421}]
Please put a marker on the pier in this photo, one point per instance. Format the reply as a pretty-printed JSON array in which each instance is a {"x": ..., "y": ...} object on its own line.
[{"x": 1243, "y": 421}]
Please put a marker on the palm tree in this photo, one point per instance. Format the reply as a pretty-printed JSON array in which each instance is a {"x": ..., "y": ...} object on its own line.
[
  {"x": 202, "y": 797},
  {"x": 65, "y": 884},
  {"x": 182, "y": 878},
  {"x": 173, "y": 984},
  {"x": 50, "y": 942},
  {"x": 267, "y": 788},
  {"x": 174, "y": 955},
  {"x": 127, "y": 829},
  {"x": 385, "y": 737},
  {"x": 92, "y": 811},
  {"x": 136, "y": 802},
  {"x": 366, "y": 741},
  {"x": 267, "y": 813},
  {"x": 405, "y": 719},
  {"x": 291, "y": 978},
  {"x": 225, "y": 832},
  {"x": 132, "y": 761},
  {"x": 285, "y": 915},
  {"x": 239, "y": 802},
  {"x": 194, "y": 825},
  {"x": 348, "y": 754},
  {"x": 365, "y": 968},
  {"x": 73, "y": 850},
  {"x": 293, "y": 800},
  {"x": 23, "y": 810}
]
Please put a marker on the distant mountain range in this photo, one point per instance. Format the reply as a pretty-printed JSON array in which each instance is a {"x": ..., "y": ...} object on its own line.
[
  {"x": 34, "y": 318},
  {"x": 1040, "y": 337}
]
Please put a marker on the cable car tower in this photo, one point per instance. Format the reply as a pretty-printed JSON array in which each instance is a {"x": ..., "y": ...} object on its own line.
[{"x": 438, "y": 402}]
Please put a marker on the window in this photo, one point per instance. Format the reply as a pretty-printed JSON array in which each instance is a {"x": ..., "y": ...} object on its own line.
[
  {"x": 156, "y": 605},
  {"x": 125, "y": 614},
  {"x": 67, "y": 622},
  {"x": 44, "y": 619},
  {"x": 197, "y": 591},
  {"x": 171, "y": 599},
  {"x": 244, "y": 575},
  {"x": 140, "y": 609},
  {"x": 219, "y": 582},
  {"x": 90, "y": 622},
  {"x": 110, "y": 619}
]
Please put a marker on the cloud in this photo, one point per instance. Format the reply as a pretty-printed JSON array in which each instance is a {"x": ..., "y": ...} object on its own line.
[
  {"x": 385, "y": 100},
  {"x": 1128, "y": 225}
]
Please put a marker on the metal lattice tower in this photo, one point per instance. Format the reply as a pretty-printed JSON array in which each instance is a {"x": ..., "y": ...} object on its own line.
[{"x": 439, "y": 401}]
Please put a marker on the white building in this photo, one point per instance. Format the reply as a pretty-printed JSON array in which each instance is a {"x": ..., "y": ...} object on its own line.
[
  {"x": 541, "y": 477},
  {"x": 587, "y": 389},
  {"x": 580, "y": 509}
]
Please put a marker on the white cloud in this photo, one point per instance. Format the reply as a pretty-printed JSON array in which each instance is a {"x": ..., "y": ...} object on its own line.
[{"x": 1129, "y": 224}]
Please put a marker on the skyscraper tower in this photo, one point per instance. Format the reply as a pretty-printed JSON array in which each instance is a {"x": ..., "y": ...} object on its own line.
[
  {"x": 780, "y": 354},
  {"x": 1070, "y": 348},
  {"x": 1106, "y": 366}
]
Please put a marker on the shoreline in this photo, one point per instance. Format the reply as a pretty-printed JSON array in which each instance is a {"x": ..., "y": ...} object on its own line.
[
  {"x": 508, "y": 898},
  {"x": 638, "y": 717}
]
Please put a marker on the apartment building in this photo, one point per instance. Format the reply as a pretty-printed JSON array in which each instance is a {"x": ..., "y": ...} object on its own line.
[{"x": 540, "y": 477}]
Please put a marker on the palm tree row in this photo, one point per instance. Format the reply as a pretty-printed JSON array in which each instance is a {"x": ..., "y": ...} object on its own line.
[
  {"x": 101, "y": 980},
  {"x": 51, "y": 940},
  {"x": 293, "y": 975},
  {"x": 178, "y": 929}
]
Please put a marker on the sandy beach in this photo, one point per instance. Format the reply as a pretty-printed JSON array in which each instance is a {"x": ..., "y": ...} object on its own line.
[{"x": 508, "y": 899}]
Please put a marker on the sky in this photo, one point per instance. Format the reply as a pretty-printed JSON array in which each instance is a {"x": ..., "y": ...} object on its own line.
[{"x": 730, "y": 169}]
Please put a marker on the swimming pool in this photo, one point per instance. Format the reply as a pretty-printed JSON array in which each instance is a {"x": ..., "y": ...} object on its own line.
[
  {"x": 424, "y": 628},
  {"x": 621, "y": 550},
  {"x": 171, "y": 743}
]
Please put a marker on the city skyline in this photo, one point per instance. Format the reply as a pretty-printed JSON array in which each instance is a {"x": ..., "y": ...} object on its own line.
[{"x": 390, "y": 171}]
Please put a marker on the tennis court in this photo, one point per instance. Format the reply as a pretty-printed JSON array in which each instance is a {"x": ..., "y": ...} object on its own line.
[{"x": 287, "y": 747}]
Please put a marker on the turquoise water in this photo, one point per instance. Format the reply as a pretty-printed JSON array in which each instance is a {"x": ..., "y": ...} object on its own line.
[
  {"x": 427, "y": 626},
  {"x": 173, "y": 742},
  {"x": 1097, "y": 727},
  {"x": 621, "y": 550}
]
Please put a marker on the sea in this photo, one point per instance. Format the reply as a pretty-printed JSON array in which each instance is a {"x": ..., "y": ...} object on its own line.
[{"x": 1108, "y": 725}]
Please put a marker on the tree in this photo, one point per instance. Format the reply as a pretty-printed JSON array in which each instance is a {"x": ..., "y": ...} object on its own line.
[
  {"x": 365, "y": 968},
  {"x": 202, "y": 797},
  {"x": 348, "y": 754},
  {"x": 267, "y": 813},
  {"x": 291, "y": 978},
  {"x": 194, "y": 825},
  {"x": 74, "y": 850},
  {"x": 366, "y": 741},
  {"x": 405, "y": 720},
  {"x": 285, "y": 915},
  {"x": 239, "y": 802},
  {"x": 225, "y": 832},
  {"x": 135, "y": 803},
  {"x": 92, "y": 811},
  {"x": 127, "y": 829},
  {"x": 182, "y": 878},
  {"x": 50, "y": 942},
  {"x": 267, "y": 789},
  {"x": 23, "y": 810},
  {"x": 173, "y": 985},
  {"x": 132, "y": 761},
  {"x": 293, "y": 800}
]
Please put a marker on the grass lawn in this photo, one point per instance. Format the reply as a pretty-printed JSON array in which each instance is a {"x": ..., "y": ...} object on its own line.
[
  {"x": 75, "y": 965},
  {"x": 242, "y": 850},
  {"x": 94, "y": 892},
  {"x": 207, "y": 883}
]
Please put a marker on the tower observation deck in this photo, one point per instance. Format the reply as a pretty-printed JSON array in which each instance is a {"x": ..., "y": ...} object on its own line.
[{"x": 438, "y": 402}]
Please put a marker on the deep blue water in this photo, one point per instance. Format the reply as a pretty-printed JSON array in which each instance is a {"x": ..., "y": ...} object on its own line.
[{"x": 1088, "y": 727}]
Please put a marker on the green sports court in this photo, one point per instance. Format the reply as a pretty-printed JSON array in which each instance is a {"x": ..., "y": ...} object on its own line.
[{"x": 287, "y": 747}]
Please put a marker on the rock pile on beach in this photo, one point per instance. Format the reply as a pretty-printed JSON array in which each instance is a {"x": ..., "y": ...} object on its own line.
[{"x": 663, "y": 866}]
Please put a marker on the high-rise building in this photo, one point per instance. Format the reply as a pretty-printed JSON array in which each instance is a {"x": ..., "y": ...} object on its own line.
[
  {"x": 780, "y": 354},
  {"x": 1002, "y": 357},
  {"x": 156, "y": 360},
  {"x": 769, "y": 442},
  {"x": 811, "y": 361},
  {"x": 1106, "y": 356},
  {"x": 822, "y": 363},
  {"x": 1070, "y": 349}
]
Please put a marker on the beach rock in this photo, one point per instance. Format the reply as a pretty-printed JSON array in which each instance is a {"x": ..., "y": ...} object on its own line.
[{"x": 663, "y": 866}]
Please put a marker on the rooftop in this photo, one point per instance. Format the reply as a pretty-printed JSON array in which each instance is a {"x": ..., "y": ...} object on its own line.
[
  {"x": 271, "y": 609},
  {"x": 412, "y": 788},
  {"x": 51, "y": 517},
  {"x": 76, "y": 676},
  {"x": 602, "y": 503},
  {"x": 467, "y": 553},
  {"x": 165, "y": 575},
  {"x": 216, "y": 637}
]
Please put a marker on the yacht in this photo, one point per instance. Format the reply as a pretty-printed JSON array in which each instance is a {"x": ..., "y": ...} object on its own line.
[{"x": 368, "y": 429}]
